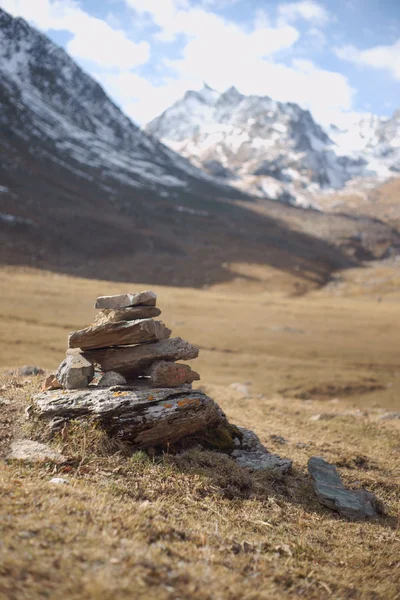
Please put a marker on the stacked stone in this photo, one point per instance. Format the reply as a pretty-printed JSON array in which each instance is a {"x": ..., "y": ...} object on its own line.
[{"x": 129, "y": 346}]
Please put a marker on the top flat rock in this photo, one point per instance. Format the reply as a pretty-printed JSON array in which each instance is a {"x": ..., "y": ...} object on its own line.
[{"x": 147, "y": 298}]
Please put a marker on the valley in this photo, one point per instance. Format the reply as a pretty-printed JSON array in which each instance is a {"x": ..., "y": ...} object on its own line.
[{"x": 335, "y": 343}]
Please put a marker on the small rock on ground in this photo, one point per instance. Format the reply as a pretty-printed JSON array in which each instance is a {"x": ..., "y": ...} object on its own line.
[
  {"x": 253, "y": 455},
  {"x": 240, "y": 388},
  {"x": 59, "y": 481},
  {"x": 389, "y": 416},
  {"x": 355, "y": 505},
  {"x": 28, "y": 371},
  {"x": 30, "y": 451}
]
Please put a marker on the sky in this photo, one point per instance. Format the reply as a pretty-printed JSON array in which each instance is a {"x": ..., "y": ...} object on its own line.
[{"x": 338, "y": 58}]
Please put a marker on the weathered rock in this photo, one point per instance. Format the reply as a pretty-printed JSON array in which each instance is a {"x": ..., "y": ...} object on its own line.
[
  {"x": 355, "y": 505},
  {"x": 28, "y": 371},
  {"x": 76, "y": 371},
  {"x": 169, "y": 374},
  {"x": 30, "y": 451},
  {"x": 51, "y": 383},
  {"x": 147, "y": 298},
  {"x": 132, "y": 313},
  {"x": 121, "y": 333},
  {"x": 390, "y": 416},
  {"x": 110, "y": 379},
  {"x": 250, "y": 453},
  {"x": 131, "y": 361},
  {"x": 145, "y": 418}
]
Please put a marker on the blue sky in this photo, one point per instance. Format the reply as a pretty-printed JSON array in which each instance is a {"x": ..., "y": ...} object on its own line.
[{"x": 338, "y": 58}]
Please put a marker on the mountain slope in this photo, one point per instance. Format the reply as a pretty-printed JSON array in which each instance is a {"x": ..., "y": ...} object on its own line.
[
  {"x": 373, "y": 139},
  {"x": 275, "y": 149},
  {"x": 72, "y": 121},
  {"x": 84, "y": 191}
]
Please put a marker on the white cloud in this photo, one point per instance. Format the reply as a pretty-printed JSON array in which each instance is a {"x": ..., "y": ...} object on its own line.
[
  {"x": 309, "y": 10},
  {"x": 93, "y": 39},
  {"x": 215, "y": 50},
  {"x": 378, "y": 57},
  {"x": 222, "y": 53}
]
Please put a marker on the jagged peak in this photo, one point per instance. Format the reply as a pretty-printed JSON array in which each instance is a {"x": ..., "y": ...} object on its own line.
[{"x": 232, "y": 94}]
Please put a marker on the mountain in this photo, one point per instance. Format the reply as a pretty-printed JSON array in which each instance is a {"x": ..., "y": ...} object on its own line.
[
  {"x": 70, "y": 120},
  {"x": 270, "y": 148},
  {"x": 376, "y": 140},
  {"x": 84, "y": 191}
]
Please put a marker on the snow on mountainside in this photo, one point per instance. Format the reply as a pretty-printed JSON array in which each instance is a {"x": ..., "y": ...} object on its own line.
[
  {"x": 271, "y": 148},
  {"x": 61, "y": 113},
  {"x": 374, "y": 139}
]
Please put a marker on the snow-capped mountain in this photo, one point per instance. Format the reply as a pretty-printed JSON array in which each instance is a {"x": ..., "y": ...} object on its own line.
[
  {"x": 48, "y": 102},
  {"x": 376, "y": 140},
  {"x": 271, "y": 148},
  {"x": 86, "y": 192}
]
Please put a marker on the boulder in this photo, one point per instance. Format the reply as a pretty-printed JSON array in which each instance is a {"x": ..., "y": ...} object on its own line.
[
  {"x": 119, "y": 334},
  {"x": 132, "y": 313},
  {"x": 147, "y": 298},
  {"x": 132, "y": 361},
  {"x": 143, "y": 417},
  {"x": 110, "y": 379},
  {"x": 356, "y": 505},
  {"x": 76, "y": 371},
  {"x": 169, "y": 374}
]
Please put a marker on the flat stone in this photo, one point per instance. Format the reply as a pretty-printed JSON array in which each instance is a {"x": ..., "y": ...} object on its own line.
[
  {"x": 132, "y": 313},
  {"x": 147, "y": 298},
  {"x": 75, "y": 372},
  {"x": 111, "y": 378},
  {"x": 121, "y": 333},
  {"x": 30, "y": 451},
  {"x": 169, "y": 374},
  {"x": 132, "y": 361},
  {"x": 51, "y": 383},
  {"x": 355, "y": 505},
  {"x": 251, "y": 454},
  {"x": 144, "y": 417}
]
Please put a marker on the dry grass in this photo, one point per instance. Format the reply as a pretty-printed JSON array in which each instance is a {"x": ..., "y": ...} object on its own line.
[
  {"x": 196, "y": 525},
  {"x": 326, "y": 344}
]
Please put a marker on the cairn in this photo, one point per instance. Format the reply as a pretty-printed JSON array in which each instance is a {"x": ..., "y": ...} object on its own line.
[
  {"x": 129, "y": 345},
  {"x": 143, "y": 395}
]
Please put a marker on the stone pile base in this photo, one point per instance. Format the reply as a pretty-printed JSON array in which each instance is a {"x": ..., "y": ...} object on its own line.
[{"x": 155, "y": 418}]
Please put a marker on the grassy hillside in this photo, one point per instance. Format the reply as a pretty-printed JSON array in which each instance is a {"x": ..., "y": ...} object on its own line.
[{"x": 321, "y": 373}]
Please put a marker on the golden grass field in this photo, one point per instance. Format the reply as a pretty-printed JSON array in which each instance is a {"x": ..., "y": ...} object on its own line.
[
  {"x": 329, "y": 343},
  {"x": 196, "y": 526}
]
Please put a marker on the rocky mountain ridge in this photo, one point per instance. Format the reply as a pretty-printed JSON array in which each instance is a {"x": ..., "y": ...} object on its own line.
[
  {"x": 275, "y": 149},
  {"x": 48, "y": 102},
  {"x": 84, "y": 191}
]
